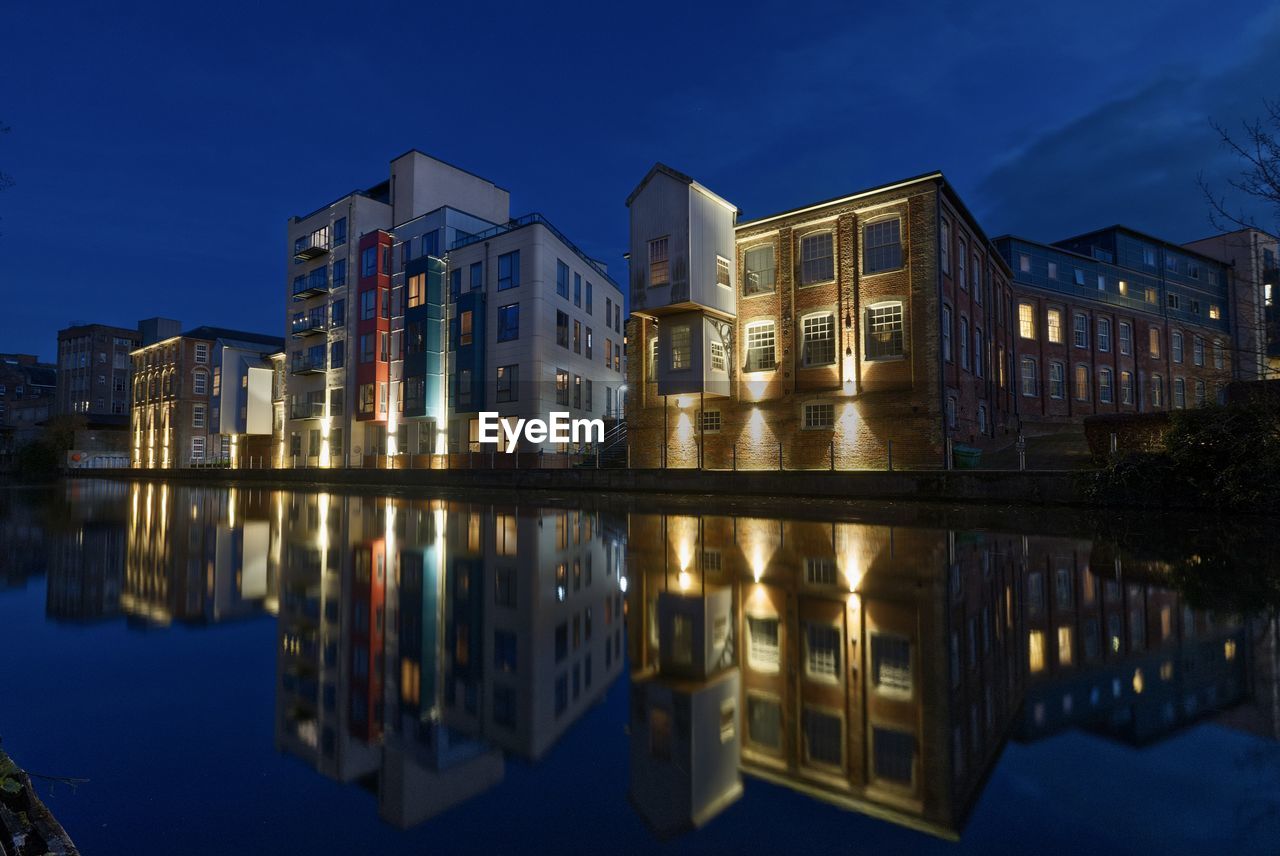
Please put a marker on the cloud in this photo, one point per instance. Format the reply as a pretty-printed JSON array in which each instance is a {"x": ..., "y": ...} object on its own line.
[{"x": 1135, "y": 158}]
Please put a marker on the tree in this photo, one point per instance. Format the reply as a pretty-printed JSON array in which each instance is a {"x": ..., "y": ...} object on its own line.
[{"x": 1258, "y": 148}]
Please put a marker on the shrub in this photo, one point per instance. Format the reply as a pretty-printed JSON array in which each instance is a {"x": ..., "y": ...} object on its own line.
[{"x": 1225, "y": 457}]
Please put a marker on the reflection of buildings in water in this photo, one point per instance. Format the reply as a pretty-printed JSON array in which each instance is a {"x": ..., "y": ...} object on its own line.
[
  {"x": 86, "y": 552},
  {"x": 881, "y": 668},
  {"x": 419, "y": 641},
  {"x": 197, "y": 556},
  {"x": 22, "y": 540}
]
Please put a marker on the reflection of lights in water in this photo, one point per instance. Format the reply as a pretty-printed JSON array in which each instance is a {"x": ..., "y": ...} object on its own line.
[
  {"x": 560, "y": 593},
  {"x": 685, "y": 580},
  {"x": 1229, "y": 649},
  {"x": 622, "y": 584},
  {"x": 1137, "y": 681}
]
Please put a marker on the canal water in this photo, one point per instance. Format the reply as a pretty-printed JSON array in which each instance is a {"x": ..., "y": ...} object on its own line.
[{"x": 262, "y": 671}]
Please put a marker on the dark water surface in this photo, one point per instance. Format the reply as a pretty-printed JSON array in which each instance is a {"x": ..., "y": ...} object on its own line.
[{"x": 259, "y": 671}]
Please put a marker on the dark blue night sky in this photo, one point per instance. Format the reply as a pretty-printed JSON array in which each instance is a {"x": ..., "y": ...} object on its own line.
[{"x": 158, "y": 149}]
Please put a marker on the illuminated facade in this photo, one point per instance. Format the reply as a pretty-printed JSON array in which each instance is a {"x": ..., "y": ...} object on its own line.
[
  {"x": 417, "y": 303},
  {"x": 205, "y": 396},
  {"x": 882, "y": 668},
  {"x": 844, "y": 334}
]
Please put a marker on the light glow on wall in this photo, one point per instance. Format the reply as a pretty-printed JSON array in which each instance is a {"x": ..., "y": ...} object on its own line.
[{"x": 326, "y": 423}]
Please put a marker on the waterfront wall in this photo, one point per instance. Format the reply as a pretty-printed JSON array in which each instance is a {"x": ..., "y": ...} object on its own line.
[{"x": 984, "y": 486}]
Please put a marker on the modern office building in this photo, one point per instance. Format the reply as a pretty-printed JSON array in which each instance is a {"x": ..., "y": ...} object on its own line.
[
  {"x": 401, "y": 330},
  {"x": 1252, "y": 255},
  {"x": 94, "y": 370},
  {"x": 848, "y": 333},
  {"x": 1116, "y": 321},
  {"x": 205, "y": 396}
]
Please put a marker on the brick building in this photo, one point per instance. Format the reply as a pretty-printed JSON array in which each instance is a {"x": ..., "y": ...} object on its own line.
[
  {"x": 1116, "y": 321},
  {"x": 208, "y": 395},
  {"x": 834, "y": 335},
  {"x": 94, "y": 369}
]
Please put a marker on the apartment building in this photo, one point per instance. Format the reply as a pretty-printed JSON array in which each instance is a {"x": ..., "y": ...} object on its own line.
[
  {"x": 202, "y": 397},
  {"x": 849, "y": 333},
  {"x": 399, "y": 333},
  {"x": 1252, "y": 256},
  {"x": 1116, "y": 321}
]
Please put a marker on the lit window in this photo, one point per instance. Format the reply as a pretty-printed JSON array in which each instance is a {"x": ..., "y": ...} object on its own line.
[
  {"x": 760, "y": 347},
  {"x": 718, "y": 360},
  {"x": 1026, "y": 321},
  {"x": 1126, "y": 387},
  {"x": 885, "y": 338},
  {"x": 819, "y": 416},
  {"x": 1157, "y": 391},
  {"x": 1082, "y": 382},
  {"x": 464, "y": 327},
  {"x": 1053, "y": 327},
  {"x": 819, "y": 340}
]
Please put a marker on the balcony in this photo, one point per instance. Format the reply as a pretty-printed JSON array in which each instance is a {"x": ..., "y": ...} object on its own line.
[
  {"x": 309, "y": 326},
  {"x": 306, "y": 410},
  {"x": 307, "y": 366},
  {"x": 311, "y": 246},
  {"x": 309, "y": 285}
]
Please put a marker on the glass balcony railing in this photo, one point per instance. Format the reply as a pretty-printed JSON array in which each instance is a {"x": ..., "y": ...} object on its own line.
[
  {"x": 307, "y": 365},
  {"x": 306, "y": 410},
  {"x": 311, "y": 246},
  {"x": 311, "y": 325},
  {"x": 307, "y": 285}
]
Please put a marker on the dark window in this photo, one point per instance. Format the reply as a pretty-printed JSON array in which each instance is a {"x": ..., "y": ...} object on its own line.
[
  {"x": 369, "y": 261},
  {"x": 882, "y": 246},
  {"x": 509, "y": 271},
  {"x": 509, "y": 322},
  {"x": 508, "y": 383}
]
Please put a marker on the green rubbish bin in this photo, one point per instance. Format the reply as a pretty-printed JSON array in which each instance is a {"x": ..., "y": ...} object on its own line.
[{"x": 966, "y": 457}]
